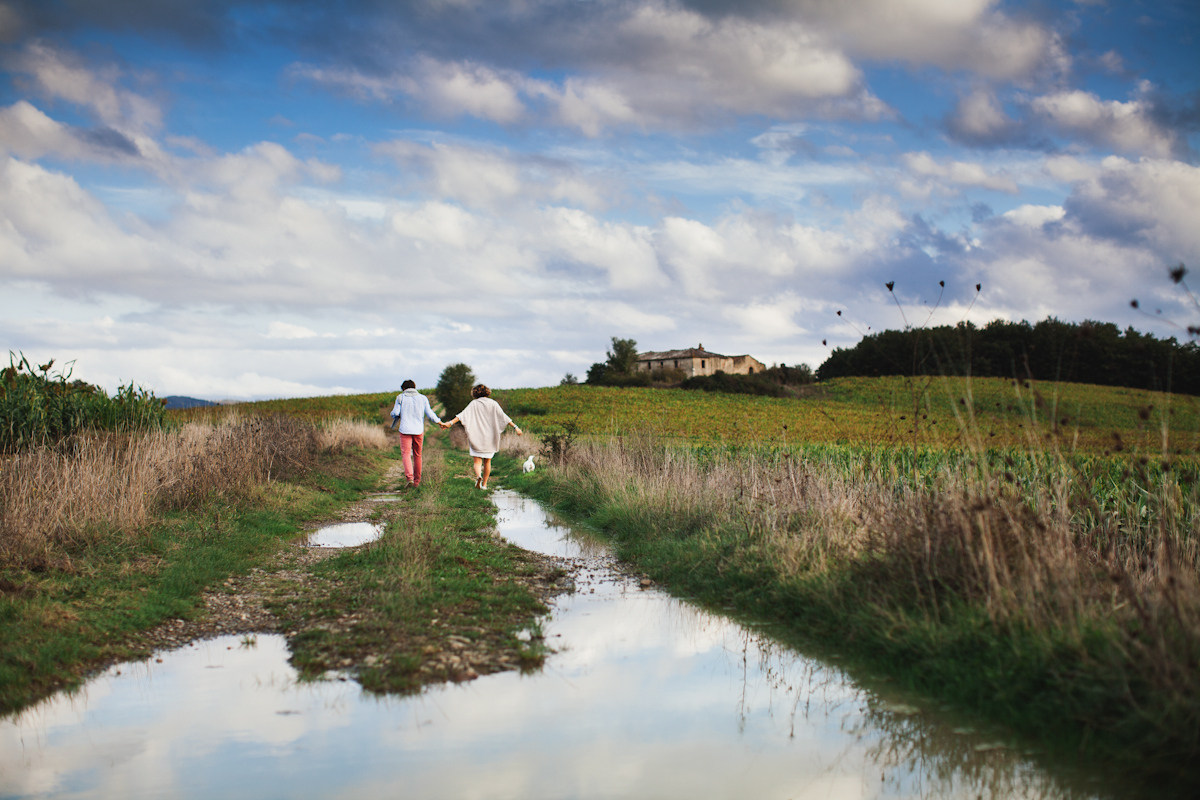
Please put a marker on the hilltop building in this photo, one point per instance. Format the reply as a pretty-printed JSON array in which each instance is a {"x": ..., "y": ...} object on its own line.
[{"x": 698, "y": 361}]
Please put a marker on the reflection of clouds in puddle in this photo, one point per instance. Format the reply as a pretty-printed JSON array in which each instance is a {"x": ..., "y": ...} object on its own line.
[
  {"x": 649, "y": 697},
  {"x": 345, "y": 534}
]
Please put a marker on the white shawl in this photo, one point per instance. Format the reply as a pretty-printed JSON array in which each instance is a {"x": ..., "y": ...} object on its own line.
[{"x": 484, "y": 421}]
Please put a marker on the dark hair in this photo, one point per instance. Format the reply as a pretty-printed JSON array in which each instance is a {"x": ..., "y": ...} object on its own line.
[
  {"x": 409, "y": 384},
  {"x": 480, "y": 390}
]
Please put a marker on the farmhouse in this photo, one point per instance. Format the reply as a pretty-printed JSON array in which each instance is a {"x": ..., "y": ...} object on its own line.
[{"x": 698, "y": 361}]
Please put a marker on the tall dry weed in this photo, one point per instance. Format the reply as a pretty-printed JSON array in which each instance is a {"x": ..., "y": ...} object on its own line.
[
  {"x": 55, "y": 499},
  {"x": 337, "y": 435},
  {"x": 965, "y": 537}
]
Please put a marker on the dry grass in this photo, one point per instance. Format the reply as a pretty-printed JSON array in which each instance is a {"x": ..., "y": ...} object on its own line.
[
  {"x": 337, "y": 435},
  {"x": 1030, "y": 560},
  {"x": 55, "y": 499},
  {"x": 519, "y": 446},
  {"x": 1023, "y": 555}
]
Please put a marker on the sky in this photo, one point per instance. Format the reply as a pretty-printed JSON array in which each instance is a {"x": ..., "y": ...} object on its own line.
[{"x": 255, "y": 199}]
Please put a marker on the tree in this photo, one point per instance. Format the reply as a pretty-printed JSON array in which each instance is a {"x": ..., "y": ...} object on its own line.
[
  {"x": 454, "y": 388},
  {"x": 568, "y": 380},
  {"x": 595, "y": 373},
  {"x": 622, "y": 359}
]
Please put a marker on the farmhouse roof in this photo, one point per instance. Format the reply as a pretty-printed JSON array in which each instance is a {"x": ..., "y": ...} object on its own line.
[{"x": 692, "y": 352}]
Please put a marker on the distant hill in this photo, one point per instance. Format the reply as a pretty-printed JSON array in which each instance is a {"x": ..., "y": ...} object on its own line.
[{"x": 176, "y": 401}]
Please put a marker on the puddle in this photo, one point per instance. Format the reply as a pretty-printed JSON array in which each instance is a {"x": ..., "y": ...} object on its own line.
[
  {"x": 647, "y": 696},
  {"x": 345, "y": 534}
]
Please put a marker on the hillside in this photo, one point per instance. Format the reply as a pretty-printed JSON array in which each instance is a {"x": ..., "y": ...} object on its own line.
[{"x": 989, "y": 412}]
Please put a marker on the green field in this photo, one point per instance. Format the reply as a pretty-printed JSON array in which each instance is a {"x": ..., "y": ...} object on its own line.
[{"x": 940, "y": 412}]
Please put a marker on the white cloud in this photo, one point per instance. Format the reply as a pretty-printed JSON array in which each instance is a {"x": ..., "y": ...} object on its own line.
[
  {"x": 959, "y": 173},
  {"x": 286, "y": 330},
  {"x": 622, "y": 251},
  {"x": 1069, "y": 169},
  {"x": 953, "y": 34},
  {"x": 1034, "y": 216},
  {"x": 28, "y": 133},
  {"x": 466, "y": 88},
  {"x": 1151, "y": 202},
  {"x": 376, "y": 333},
  {"x": 440, "y": 223},
  {"x": 473, "y": 175},
  {"x": 60, "y": 75},
  {"x": 979, "y": 118},
  {"x": 1127, "y": 126},
  {"x": 663, "y": 66},
  {"x": 1111, "y": 241},
  {"x": 766, "y": 322}
]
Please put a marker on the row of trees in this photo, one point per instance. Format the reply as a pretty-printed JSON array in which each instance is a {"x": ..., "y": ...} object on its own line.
[{"x": 1086, "y": 352}]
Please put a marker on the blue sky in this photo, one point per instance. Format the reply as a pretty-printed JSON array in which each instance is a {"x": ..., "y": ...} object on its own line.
[{"x": 265, "y": 199}]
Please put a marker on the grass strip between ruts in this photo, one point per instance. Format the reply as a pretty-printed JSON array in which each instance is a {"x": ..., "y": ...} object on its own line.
[{"x": 438, "y": 597}]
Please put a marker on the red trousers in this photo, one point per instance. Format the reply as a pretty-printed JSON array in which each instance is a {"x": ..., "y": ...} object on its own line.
[{"x": 410, "y": 456}]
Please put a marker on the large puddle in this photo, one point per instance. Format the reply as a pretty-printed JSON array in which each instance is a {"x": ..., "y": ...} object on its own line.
[{"x": 647, "y": 697}]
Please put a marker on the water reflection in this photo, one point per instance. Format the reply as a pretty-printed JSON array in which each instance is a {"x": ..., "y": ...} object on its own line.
[
  {"x": 345, "y": 534},
  {"x": 647, "y": 697}
]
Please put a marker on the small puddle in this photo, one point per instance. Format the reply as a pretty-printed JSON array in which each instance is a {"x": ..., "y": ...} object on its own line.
[
  {"x": 344, "y": 534},
  {"x": 647, "y": 696}
]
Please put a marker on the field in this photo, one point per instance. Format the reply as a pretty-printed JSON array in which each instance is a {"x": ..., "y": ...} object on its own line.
[
  {"x": 1030, "y": 552},
  {"x": 975, "y": 414}
]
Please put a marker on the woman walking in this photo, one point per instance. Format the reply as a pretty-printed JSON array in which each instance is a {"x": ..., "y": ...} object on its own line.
[
  {"x": 484, "y": 420},
  {"x": 411, "y": 409}
]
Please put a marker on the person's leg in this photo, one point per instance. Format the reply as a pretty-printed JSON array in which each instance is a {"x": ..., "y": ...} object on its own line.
[
  {"x": 478, "y": 467},
  {"x": 416, "y": 455},
  {"x": 487, "y": 471},
  {"x": 406, "y": 443}
]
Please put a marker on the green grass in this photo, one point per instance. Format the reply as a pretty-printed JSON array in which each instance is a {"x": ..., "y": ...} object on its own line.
[
  {"x": 364, "y": 407},
  {"x": 57, "y": 626},
  {"x": 950, "y": 412},
  {"x": 437, "y": 572}
]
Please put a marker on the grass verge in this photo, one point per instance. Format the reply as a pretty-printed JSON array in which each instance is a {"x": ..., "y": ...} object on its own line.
[
  {"x": 959, "y": 596},
  {"x": 59, "y": 625}
]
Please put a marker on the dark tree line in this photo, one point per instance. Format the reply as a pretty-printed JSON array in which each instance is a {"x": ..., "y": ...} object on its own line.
[{"x": 1086, "y": 352}]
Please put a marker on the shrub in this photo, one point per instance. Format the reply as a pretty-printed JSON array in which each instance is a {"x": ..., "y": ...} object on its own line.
[{"x": 736, "y": 384}]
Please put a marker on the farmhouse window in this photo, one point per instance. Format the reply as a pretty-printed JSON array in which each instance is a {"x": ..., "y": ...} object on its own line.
[{"x": 701, "y": 363}]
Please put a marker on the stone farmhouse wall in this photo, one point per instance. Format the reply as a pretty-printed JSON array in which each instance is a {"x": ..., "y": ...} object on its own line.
[{"x": 698, "y": 361}]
